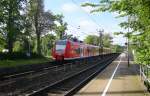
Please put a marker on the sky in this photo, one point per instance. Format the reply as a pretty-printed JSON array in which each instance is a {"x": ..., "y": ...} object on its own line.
[{"x": 82, "y": 23}]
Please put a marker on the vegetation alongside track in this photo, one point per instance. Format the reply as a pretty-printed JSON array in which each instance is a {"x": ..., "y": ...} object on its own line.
[
  {"x": 20, "y": 62},
  {"x": 137, "y": 22},
  {"x": 19, "y": 58}
]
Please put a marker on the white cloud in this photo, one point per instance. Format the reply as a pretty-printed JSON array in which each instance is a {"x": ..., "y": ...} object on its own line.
[
  {"x": 88, "y": 26},
  {"x": 83, "y": 28},
  {"x": 88, "y": 9},
  {"x": 115, "y": 14},
  {"x": 69, "y": 7},
  {"x": 119, "y": 40}
]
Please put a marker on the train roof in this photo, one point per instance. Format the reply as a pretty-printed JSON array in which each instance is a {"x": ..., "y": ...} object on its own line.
[{"x": 81, "y": 43}]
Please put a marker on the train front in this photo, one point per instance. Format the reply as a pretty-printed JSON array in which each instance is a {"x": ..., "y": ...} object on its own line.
[{"x": 58, "y": 52}]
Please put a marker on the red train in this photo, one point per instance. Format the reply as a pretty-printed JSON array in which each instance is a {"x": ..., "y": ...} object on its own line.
[{"x": 68, "y": 49}]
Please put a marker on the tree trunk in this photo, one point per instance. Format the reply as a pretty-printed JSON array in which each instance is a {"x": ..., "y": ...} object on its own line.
[
  {"x": 10, "y": 45},
  {"x": 10, "y": 37},
  {"x": 38, "y": 44},
  {"x": 38, "y": 35},
  {"x": 10, "y": 29},
  {"x": 61, "y": 35}
]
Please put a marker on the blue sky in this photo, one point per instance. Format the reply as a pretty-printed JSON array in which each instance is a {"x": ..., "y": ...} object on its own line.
[{"x": 76, "y": 16}]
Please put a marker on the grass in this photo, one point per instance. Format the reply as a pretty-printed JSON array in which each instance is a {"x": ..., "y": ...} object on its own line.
[{"x": 14, "y": 63}]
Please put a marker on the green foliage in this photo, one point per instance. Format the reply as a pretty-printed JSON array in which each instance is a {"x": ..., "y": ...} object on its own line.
[
  {"x": 41, "y": 21},
  {"x": 94, "y": 40},
  {"x": 137, "y": 12},
  {"x": 18, "y": 55},
  {"x": 25, "y": 27},
  {"x": 117, "y": 48},
  {"x": 47, "y": 44},
  {"x": 107, "y": 40},
  {"x": 2, "y": 43},
  {"x": 60, "y": 29},
  {"x": 21, "y": 62},
  {"x": 17, "y": 46},
  {"x": 10, "y": 20}
]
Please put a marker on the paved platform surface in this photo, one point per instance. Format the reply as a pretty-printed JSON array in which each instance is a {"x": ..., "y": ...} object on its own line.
[{"x": 116, "y": 80}]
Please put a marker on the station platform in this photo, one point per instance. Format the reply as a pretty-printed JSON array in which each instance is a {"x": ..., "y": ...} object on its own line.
[{"x": 116, "y": 80}]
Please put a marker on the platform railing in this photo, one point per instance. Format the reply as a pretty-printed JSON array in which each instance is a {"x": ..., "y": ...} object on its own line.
[{"x": 145, "y": 75}]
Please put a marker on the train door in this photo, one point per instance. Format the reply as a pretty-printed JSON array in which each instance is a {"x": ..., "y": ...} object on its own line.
[{"x": 81, "y": 52}]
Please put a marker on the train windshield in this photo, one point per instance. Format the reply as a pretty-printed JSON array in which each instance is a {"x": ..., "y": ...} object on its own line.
[{"x": 61, "y": 45}]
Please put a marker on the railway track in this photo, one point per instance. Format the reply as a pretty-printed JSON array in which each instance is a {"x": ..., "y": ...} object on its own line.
[
  {"x": 11, "y": 75},
  {"x": 18, "y": 75},
  {"x": 15, "y": 77},
  {"x": 70, "y": 85},
  {"x": 12, "y": 84},
  {"x": 33, "y": 82}
]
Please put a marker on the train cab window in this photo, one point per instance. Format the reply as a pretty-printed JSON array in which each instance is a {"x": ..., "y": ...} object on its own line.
[{"x": 61, "y": 45}]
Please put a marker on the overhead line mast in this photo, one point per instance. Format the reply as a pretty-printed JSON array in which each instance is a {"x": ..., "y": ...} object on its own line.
[
  {"x": 100, "y": 31},
  {"x": 101, "y": 41}
]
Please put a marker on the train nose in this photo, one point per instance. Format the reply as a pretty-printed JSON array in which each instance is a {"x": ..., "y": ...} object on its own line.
[{"x": 60, "y": 57}]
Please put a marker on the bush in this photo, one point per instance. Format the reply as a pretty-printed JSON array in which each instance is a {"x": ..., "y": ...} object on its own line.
[{"x": 18, "y": 55}]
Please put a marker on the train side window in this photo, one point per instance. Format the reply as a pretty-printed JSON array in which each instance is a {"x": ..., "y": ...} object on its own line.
[{"x": 77, "y": 50}]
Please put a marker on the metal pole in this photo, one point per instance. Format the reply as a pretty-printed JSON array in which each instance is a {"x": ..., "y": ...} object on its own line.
[
  {"x": 140, "y": 73},
  {"x": 101, "y": 41},
  {"x": 128, "y": 52},
  {"x": 128, "y": 43}
]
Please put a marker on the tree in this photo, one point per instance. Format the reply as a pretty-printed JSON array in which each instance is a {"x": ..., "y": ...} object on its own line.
[
  {"x": 117, "y": 48},
  {"x": 92, "y": 39},
  {"x": 107, "y": 40},
  {"x": 10, "y": 20},
  {"x": 47, "y": 42},
  {"x": 42, "y": 21},
  {"x": 25, "y": 26},
  {"x": 60, "y": 27}
]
